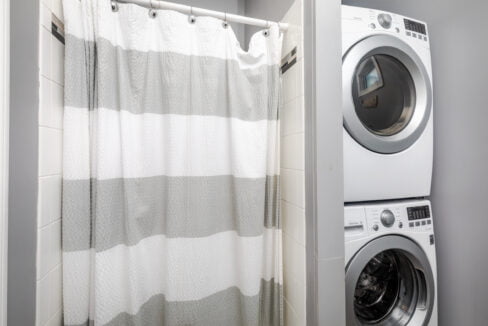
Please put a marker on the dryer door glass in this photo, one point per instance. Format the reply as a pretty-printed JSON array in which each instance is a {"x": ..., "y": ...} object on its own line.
[{"x": 384, "y": 94}]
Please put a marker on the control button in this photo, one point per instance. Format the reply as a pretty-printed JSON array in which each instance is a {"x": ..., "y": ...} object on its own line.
[
  {"x": 423, "y": 223},
  {"x": 400, "y": 225},
  {"x": 425, "y": 38},
  {"x": 410, "y": 224},
  {"x": 376, "y": 227},
  {"x": 387, "y": 218},
  {"x": 372, "y": 26},
  {"x": 429, "y": 222},
  {"x": 384, "y": 20},
  {"x": 414, "y": 35},
  {"x": 409, "y": 34},
  {"x": 397, "y": 30},
  {"x": 417, "y": 223},
  {"x": 431, "y": 238}
]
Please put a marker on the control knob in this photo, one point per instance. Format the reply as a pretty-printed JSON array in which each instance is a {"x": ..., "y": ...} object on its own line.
[
  {"x": 387, "y": 218},
  {"x": 384, "y": 20}
]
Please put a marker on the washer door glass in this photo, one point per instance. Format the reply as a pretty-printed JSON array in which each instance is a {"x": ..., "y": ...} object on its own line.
[
  {"x": 384, "y": 94},
  {"x": 389, "y": 282},
  {"x": 387, "y": 94}
]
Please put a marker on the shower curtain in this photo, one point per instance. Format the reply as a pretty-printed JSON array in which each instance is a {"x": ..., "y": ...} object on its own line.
[{"x": 171, "y": 171}]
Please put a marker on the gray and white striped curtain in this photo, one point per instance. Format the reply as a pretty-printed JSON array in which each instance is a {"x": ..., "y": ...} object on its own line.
[{"x": 171, "y": 171}]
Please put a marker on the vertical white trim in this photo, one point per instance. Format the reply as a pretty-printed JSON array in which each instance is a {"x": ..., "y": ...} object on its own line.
[{"x": 4, "y": 122}]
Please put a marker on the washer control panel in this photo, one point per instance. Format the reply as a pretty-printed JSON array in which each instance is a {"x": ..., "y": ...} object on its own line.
[
  {"x": 418, "y": 216},
  {"x": 359, "y": 221}
]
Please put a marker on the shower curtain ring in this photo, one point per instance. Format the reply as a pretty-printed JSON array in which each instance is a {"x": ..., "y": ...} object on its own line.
[
  {"x": 114, "y": 5},
  {"x": 225, "y": 24},
  {"x": 266, "y": 31},
  {"x": 192, "y": 18},
  {"x": 152, "y": 12}
]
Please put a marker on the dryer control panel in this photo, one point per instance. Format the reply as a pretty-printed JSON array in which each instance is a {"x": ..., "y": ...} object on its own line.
[{"x": 386, "y": 22}]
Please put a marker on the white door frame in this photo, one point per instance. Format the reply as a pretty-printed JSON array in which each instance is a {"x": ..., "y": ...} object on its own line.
[{"x": 4, "y": 139}]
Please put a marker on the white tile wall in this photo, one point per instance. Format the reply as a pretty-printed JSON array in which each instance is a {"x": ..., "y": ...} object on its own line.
[
  {"x": 49, "y": 261},
  {"x": 50, "y": 151},
  {"x": 293, "y": 174}
]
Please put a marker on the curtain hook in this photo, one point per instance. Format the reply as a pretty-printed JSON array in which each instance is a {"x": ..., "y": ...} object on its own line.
[
  {"x": 152, "y": 12},
  {"x": 114, "y": 5},
  {"x": 225, "y": 24},
  {"x": 192, "y": 18},
  {"x": 266, "y": 31}
]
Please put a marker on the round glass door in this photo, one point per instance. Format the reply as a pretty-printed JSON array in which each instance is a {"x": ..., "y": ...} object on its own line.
[
  {"x": 387, "y": 94},
  {"x": 384, "y": 94},
  {"x": 386, "y": 284},
  {"x": 389, "y": 286}
]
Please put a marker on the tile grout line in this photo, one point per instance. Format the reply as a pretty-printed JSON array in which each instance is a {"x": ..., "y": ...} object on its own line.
[
  {"x": 291, "y": 306},
  {"x": 292, "y": 204},
  {"x": 288, "y": 101},
  {"x": 50, "y": 79},
  {"x": 296, "y": 242},
  {"x": 49, "y": 127},
  {"x": 49, "y": 224},
  {"x": 51, "y": 175},
  {"x": 49, "y": 272},
  {"x": 292, "y": 134},
  {"x": 292, "y": 169},
  {"x": 289, "y": 202},
  {"x": 291, "y": 236}
]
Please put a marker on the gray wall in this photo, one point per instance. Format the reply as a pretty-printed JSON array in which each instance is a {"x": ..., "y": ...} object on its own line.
[
  {"x": 272, "y": 10},
  {"x": 230, "y": 6},
  {"x": 23, "y": 176},
  {"x": 460, "y": 186}
]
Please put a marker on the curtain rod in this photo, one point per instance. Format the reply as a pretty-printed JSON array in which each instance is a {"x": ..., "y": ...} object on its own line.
[{"x": 157, "y": 4}]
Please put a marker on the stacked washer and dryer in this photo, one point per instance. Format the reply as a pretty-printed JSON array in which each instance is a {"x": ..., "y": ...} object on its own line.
[{"x": 388, "y": 156}]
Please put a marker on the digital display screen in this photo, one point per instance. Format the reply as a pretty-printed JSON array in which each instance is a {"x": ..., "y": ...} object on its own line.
[
  {"x": 415, "y": 26},
  {"x": 418, "y": 213}
]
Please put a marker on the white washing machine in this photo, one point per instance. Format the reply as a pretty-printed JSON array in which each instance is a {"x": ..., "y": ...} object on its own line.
[
  {"x": 387, "y": 106},
  {"x": 391, "y": 273}
]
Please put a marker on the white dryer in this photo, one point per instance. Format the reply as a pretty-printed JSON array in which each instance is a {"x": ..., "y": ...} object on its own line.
[
  {"x": 391, "y": 273},
  {"x": 387, "y": 106}
]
